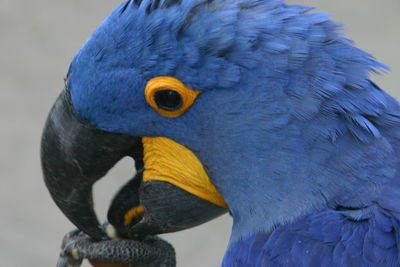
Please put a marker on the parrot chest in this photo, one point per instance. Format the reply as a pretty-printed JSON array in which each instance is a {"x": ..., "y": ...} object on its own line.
[{"x": 368, "y": 236}]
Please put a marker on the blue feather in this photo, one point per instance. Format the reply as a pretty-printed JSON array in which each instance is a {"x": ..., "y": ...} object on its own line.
[
  {"x": 328, "y": 238},
  {"x": 288, "y": 125}
]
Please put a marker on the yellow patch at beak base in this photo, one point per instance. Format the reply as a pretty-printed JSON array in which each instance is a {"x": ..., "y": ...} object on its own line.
[
  {"x": 168, "y": 161},
  {"x": 133, "y": 213}
]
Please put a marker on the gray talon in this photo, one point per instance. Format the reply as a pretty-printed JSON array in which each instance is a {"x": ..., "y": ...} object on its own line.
[
  {"x": 151, "y": 251},
  {"x": 68, "y": 262}
]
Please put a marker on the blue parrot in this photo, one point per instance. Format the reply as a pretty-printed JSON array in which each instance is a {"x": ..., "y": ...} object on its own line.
[{"x": 255, "y": 107}]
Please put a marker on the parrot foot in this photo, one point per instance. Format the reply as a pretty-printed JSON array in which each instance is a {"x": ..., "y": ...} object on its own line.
[{"x": 151, "y": 251}]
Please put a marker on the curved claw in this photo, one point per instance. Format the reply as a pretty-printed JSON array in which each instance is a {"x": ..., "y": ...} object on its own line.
[
  {"x": 68, "y": 262},
  {"x": 69, "y": 256},
  {"x": 151, "y": 251}
]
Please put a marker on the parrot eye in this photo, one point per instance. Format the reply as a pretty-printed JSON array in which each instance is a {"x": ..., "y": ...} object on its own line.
[
  {"x": 168, "y": 100},
  {"x": 169, "y": 96}
]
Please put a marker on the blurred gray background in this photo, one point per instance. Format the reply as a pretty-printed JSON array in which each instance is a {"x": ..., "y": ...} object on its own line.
[{"x": 37, "y": 41}]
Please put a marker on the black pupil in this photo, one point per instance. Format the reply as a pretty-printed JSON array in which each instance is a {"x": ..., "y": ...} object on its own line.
[{"x": 167, "y": 99}]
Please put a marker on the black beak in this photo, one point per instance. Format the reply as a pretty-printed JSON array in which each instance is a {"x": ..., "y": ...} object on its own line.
[
  {"x": 167, "y": 208},
  {"x": 75, "y": 155}
]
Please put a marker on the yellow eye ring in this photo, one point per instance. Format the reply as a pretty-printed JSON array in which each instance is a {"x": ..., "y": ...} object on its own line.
[{"x": 169, "y": 96}]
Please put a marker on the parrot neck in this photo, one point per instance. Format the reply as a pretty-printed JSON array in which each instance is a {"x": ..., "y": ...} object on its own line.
[
  {"x": 287, "y": 239},
  {"x": 273, "y": 181}
]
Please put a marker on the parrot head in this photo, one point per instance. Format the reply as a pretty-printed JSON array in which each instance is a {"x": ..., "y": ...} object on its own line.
[{"x": 223, "y": 105}]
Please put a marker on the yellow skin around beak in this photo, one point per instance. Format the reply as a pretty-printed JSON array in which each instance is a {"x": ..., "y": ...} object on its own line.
[
  {"x": 133, "y": 213},
  {"x": 168, "y": 161}
]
